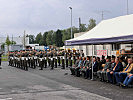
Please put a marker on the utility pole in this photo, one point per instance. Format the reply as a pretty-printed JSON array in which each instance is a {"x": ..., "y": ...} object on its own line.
[
  {"x": 79, "y": 24},
  {"x": 12, "y": 39},
  {"x": 24, "y": 39},
  {"x": 103, "y": 13}
]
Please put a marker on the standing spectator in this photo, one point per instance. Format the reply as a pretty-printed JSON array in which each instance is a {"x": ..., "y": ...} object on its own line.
[
  {"x": 77, "y": 53},
  {"x": 81, "y": 53},
  {"x": 0, "y": 58}
]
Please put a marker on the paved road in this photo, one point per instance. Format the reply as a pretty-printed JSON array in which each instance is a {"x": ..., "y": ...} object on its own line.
[{"x": 16, "y": 84}]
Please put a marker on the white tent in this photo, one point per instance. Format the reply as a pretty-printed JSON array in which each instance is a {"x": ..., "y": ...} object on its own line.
[{"x": 119, "y": 29}]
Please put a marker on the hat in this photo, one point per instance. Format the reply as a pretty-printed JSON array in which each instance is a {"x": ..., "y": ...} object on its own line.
[{"x": 113, "y": 56}]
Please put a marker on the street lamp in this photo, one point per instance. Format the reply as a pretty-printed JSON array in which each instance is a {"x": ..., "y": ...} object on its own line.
[
  {"x": 71, "y": 35},
  {"x": 127, "y": 8},
  {"x": 71, "y": 22}
]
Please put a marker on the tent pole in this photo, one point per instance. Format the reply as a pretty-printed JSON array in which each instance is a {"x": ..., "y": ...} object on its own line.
[
  {"x": 65, "y": 63},
  {"x": 92, "y": 63}
]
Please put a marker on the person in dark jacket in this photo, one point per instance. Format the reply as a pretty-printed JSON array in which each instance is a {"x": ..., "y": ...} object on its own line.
[
  {"x": 95, "y": 68},
  {"x": 117, "y": 68}
]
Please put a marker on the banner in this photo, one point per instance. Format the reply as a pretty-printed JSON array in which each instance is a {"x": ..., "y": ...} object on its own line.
[{"x": 102, "y": 52}]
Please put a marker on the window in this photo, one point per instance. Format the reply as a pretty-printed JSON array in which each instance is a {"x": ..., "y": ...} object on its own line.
[
  {"x": 95, "y": 49},
  {"x": 115, "y": 47},
  {"x": 104, "y": 47}
]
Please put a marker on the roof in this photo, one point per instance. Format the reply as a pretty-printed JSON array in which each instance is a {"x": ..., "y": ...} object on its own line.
[{"x": 115, "y": 28}]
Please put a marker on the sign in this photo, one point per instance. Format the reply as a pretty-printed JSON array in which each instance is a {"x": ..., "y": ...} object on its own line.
[{"x": 102, "y": 52}]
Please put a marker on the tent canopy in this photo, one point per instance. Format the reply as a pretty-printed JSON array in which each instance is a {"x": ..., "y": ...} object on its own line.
[{"x": 116, "y": 30}]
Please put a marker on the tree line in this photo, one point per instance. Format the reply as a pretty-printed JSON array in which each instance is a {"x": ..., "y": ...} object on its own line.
[{"x": 58, "y": 37}]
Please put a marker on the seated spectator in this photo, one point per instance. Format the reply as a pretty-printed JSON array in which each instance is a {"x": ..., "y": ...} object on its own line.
[
  {"x": 117, "y": 68},
  {"x": 120, "y": 76},
  {"x": 99, "y": 64},
  {"x": 103, "y": 74},
  {"x": 89, "y": 70},
  {"x": 83, "y": 63},
  {"x": 103, "y": 61},
  {"x": 86, "y": 66},
  {"x": 122, "y": 60},
  {"x": 128, "y": 80},
  {"x": 72, "y": 69},
  {"x": 77, "y": 72},
  {"x": 112, "y": 63}
]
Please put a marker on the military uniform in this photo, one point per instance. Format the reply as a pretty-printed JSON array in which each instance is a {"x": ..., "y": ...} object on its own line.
[
  {"x": 52, "y": 61},
  {"x": 63, "y": 61},
  {"x": 55, "y": 59},
  {"x": 58, "y": 57},
  {"x": 49, "y": 60},
  {"x": 45, "y": 59},
  {"x": 66, "y": 58},
  {"x": 70, "y": 59},
  {"x": 41, "y": 62}
]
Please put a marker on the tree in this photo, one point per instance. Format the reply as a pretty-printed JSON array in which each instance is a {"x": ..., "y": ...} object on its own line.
[
  {"x": 49, "y": 39},
  {"x": 92, "y": 24},
  {"x": 44, "y": 38},
  {"x": 3, "y": 46},
  {"x": 82, "y": 28},
  {"x": 39, "y": 39},
  {"x": 13, "y": 42},
  {"x": 58, "y": 38},
  {"x": 31, "y": 39},
  {"x": 8, "y": 42},
  {"x": 67, "y": 33}
]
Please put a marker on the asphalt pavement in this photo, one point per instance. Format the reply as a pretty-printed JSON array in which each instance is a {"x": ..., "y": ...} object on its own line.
[{"x": 35, "y": 84}]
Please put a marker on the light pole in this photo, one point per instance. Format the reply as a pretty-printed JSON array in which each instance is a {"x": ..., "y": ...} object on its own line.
[
  {"x": 71, "y": 22},
  {"x": 71, "y": 37},
  {"x": 127, "y": 8}
]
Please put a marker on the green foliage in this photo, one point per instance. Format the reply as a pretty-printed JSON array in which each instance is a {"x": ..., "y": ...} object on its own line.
[
  {"x": 3, "y": 46},
  {"x": 31, "y": 39},
  {"x": 8, "y": 42},
  {"x": 58, "y": 38},
  {"x": 82, "y": 28},
  {"x": 92, "y": 24},
  {"x": 13, "y": 42},
  {"x": 4, "y": 58},
  {"x": 49, "y": 39},
  {"x": 44, "y": 38},
  {"x": 39, "y": 39}
]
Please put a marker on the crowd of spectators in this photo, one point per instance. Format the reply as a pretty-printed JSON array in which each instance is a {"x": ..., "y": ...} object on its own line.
[{"x": 114, "y": 70}]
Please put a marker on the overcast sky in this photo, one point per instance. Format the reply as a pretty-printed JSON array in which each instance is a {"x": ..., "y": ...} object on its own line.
[{"x": 42, "y": 15}]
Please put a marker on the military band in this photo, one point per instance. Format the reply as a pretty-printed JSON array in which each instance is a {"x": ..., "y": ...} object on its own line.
[{"x": 25, "y": 59}]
